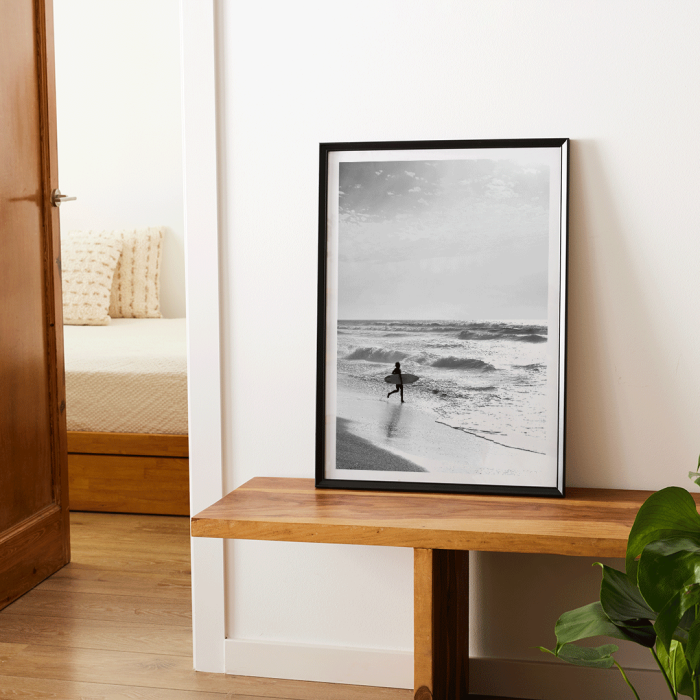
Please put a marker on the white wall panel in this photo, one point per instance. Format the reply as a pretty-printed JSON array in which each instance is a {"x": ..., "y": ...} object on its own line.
[
  {"x": 119, "y": 124},
  {"x": 620, "y": 79}
]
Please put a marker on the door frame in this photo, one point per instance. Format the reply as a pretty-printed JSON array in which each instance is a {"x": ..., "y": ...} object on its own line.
[{"x": 204, "y": 389}]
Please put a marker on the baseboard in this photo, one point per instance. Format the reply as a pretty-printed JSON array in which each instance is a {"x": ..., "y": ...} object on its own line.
[
  {"x": 534, "y": 680},
  {"x": 554, "y": 680},
  {"x": 325, "y": 664}
]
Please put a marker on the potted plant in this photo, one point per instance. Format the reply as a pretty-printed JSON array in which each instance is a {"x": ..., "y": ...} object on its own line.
[{"x": 655, "y": 602}]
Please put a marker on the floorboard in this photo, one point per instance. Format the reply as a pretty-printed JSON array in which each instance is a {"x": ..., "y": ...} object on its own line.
[
  {"x": 96, "y": 634},
  {"x": 82, "y": 579},
  {"x": 20, "y": 688},
  {"x": 115, "y": 624},
  {"x": 115, "y": 608}
]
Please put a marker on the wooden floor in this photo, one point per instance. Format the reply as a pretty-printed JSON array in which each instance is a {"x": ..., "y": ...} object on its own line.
[{"x": 116, "y": 624}]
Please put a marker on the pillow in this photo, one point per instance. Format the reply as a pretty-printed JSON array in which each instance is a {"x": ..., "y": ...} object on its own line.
[
  {"x": 136, "y": 286},
  {"x": 88, "y": 264}
]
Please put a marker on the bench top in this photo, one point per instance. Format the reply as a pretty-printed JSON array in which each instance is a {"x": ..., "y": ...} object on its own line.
[{"x": 588, "y": 522}]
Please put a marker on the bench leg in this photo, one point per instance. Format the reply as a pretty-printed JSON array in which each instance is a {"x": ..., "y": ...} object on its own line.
[{"x": 441, "y": 624}]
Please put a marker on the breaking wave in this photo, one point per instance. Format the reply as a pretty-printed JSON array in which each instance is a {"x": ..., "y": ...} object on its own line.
[
  {"x": 525, "y": 334},
  {"x": 465, "y": 381},
  {"x": 376, "y": 355},
  {"x": 463, "y": 363},
  {"x": 531, "y": 339}
]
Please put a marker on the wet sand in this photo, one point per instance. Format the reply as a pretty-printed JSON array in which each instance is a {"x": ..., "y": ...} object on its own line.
[{"x": 354, "y": 452}]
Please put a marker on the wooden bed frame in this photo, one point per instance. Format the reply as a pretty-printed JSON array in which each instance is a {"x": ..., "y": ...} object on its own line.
[{"x": 129, "y": 473}]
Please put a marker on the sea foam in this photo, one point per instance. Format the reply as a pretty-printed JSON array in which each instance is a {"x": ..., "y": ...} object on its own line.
[
  {"x": 484, "y": 377},
  {"x": 376, "y": 355}
]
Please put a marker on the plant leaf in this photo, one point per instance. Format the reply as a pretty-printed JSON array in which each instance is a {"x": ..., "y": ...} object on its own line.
[
  {"x": 670, "y": 624},
  {"x": 620, "y": 598},
  {"x": 695, "y": 476},
  {"x": 585, "y": 622},
  {"x": 623, "y": 604},
  {"x": 593, "y": 657},
  {"x": 666, "y": 567},
  {"x": 670, "y": 512},
  {"x": 676, "y": 668},
  {"x": 692, "y": 649}
]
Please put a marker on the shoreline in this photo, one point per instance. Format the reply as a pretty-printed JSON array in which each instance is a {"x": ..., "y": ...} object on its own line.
[
  {"x": 483, "y": 437},
  {"x": 370, "y": 425}
]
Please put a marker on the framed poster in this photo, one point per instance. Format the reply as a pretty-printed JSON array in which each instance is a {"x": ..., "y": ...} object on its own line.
[{"x": 442, "y": 316}]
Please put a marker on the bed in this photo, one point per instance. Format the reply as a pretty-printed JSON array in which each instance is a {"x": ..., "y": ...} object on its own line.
[
  {"x": 126, "y": 378},
  {"x": 126, "y": 399}
]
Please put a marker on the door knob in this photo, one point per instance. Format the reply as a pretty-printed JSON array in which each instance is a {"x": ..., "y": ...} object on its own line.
[{"x": 57, "y": 198}]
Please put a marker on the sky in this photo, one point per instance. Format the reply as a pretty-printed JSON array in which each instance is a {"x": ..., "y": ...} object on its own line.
[{"x": 443, "y": 240}]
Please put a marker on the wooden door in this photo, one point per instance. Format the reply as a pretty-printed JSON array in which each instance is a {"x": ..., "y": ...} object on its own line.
[{"x": 34, "y": 526}]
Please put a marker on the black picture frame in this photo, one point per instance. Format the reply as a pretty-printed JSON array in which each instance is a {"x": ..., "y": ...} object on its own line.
[{"x": 421, "y": 241}]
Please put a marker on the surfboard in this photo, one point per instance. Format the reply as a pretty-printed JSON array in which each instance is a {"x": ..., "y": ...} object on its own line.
[{"x": 407, "y": 378}]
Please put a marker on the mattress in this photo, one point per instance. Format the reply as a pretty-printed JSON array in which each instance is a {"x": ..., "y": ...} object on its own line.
[{"x": 127, "y": 377}]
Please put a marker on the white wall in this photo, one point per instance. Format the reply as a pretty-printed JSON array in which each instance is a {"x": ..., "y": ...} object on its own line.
[
  {"x": 119, "y": 123},
  {"x": 617, "y": 77}
]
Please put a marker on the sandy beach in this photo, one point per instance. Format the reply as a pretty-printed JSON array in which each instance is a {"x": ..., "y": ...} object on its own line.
[
  {"x": 353, "y": 452},
  {"x": 379, "y": 434}
]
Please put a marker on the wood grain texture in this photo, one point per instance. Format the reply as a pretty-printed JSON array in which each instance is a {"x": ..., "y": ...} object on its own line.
[
  {"x": 303, "y": 690},
  {"x": 441, "y": 625},
  {"x": 106, "y": 607},
  {"x": 152, "y": 670},
  {"x": 33, "y": 483},
  {"x": 588, "y": 522},
  {"x": 18, "y": 688},
  {"x": 31, "y": 551},
  {"x": 85, "y": 579},
  {"x": 422, "y": 623},
  {"x": 154, "y": 563},
  {"x": 128, "y": 444},
  {"x": 111, "y": 635},
  {"x": 450, "y": 625},
  {"x": 56, "y": 644},
  {"x": 8, "y": 650},
  {"x": 142, "y": 529},
  {"x": 25, "y": 418},
  {"x": 52, "y": 263},
  {"x": 129, "y": 484}
]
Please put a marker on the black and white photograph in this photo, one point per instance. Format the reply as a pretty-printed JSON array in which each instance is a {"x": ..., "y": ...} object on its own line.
[{"x": 442, "y": 306}]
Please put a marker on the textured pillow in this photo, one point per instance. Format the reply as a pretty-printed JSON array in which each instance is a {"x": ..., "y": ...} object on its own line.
[
  {"x": 88, "y": 264},
  {"x": 136, "y": 286}
]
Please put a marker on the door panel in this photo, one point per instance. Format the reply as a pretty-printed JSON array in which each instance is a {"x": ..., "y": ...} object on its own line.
[{"x": 34, "y": 532}]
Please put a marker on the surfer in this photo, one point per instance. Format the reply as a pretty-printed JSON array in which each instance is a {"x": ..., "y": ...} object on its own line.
[{"x": 399, "y": 386}]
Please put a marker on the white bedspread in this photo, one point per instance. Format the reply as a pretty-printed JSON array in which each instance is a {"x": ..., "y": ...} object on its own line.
[{"x": 127, "y": 377}]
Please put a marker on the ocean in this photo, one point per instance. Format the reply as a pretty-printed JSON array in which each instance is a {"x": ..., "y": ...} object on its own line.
[{"x": 486, "y": 378}]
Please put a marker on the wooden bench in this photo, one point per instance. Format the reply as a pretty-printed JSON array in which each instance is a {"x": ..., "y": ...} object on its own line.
[{"x": 441, "y": 529}]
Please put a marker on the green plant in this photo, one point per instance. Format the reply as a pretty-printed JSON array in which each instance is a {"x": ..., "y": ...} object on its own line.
[{"x": 655, "y": 602}]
